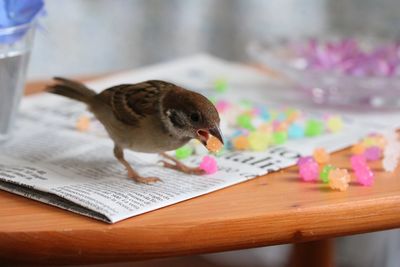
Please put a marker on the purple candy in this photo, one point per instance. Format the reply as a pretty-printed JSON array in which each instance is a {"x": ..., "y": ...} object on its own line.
[
  {"x": 347, "y": 57},
  {"x": 373, "y": 153}
]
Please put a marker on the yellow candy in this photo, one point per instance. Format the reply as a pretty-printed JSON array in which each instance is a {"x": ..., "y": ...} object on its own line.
[
  {"x": 377, "y": 140},
  {"x": 259, "y": 141},
  {"x": 240, "y": 143},
  {"x": 335, "y": 124},
  {"x": 321, "y": 156},
  {"x": 213, "y": 144},
  {"x": 83, "y": 123},
  {"x": 368, "y": 141}
]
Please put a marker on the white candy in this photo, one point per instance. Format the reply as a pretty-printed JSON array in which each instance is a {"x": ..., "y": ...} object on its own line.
[{"x": 391, "y": 153}]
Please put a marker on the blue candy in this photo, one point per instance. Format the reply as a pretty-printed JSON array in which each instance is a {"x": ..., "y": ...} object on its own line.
[{"x": 295, "y": 131}]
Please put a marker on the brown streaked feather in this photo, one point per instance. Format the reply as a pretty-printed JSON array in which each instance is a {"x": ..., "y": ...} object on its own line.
[{"x": 131, "y": 102}]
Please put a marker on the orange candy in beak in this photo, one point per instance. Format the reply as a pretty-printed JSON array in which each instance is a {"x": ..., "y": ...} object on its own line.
[{"x": 213, "y": 144}]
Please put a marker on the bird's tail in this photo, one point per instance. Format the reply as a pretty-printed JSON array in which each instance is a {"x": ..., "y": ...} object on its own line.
[{"x": 71, "y": 89}]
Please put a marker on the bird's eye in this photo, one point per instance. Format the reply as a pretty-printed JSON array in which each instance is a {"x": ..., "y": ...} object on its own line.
[{"x": 195, "y": 117}]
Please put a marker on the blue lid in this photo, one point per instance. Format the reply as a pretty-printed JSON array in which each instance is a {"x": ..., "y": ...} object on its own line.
[{"x": 17, "y": 12}]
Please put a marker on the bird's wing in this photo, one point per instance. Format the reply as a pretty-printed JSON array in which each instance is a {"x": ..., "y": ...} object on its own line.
[{"x": 131, "y": 102}]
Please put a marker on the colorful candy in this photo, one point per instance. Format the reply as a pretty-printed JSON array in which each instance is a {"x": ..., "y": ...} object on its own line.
[
  {"x": 183, "y": 152},
  {"x": 251, "y": 127},
  {"x": 209, "y": 165},
  {"x": 213, "y": 144},
  {"x": 314, "y": 128},
  {"x": 368, "y": 149},
  {"x": 324, "y": 174},
  {"x": 321, "y": 156},
  {"x": 244, "y": 120},
  {"x": 222, "y": 105},
  {"x": 295, "y": 131},
  {"x": 241, "y": 143},
  {"x": 361, "y": 170},
  {"x": 339, "y": 179},
  {"x": 308, "y": 170},
  {"x": 347, "y": 56},
  {"x": 364, "y": 176},
  {"x": 259, "y": 141},
  {"x": 303, "y": 160},
  {"x": 373, "y": 153},
  {"x": 391, "y": 157},
  {"x": 279, "y": 137},
  {"x": 334, "y": 124},
  {"x": 221, "y": 85},
  {"x": 292, "y": 114}
]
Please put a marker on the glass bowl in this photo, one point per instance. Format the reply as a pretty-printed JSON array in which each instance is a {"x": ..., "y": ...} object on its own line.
[{"x": 327, "y": 87}]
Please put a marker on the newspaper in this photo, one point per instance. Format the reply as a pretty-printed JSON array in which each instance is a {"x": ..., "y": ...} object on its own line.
[{"x": 48, "y": 160}]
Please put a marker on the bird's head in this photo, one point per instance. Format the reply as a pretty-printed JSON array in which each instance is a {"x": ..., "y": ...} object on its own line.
[{"x": 190, "y": 115}]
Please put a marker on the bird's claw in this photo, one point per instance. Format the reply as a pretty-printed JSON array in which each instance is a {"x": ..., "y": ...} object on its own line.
[
  {"x": 143, "y": 180},
  {"x": 182, "y": 168}
]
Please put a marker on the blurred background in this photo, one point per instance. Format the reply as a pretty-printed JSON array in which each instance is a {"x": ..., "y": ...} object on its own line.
[
  {"x": 87, "y": 37},
  {"x": 81, "y": 37}
]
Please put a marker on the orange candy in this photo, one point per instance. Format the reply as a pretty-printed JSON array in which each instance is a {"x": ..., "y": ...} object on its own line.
[
  {"x": 292, "y": 116},
  {"x": 321, "y": 156},
  {"x": 339, "y": 179},
  {"x": 83, "y": 123},
  {"x": 282, "y": 127},
  {"x": 265, "y": 128},
  {"x": 357, "y": 149},
  {"x": 241, "y": 143},
  {"x": 213, "y": 144}
]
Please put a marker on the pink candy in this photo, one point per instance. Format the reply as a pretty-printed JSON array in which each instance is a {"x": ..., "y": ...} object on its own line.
[
  {"x": 358, "y": 161},
  {"x": 362, "y": 172},
  {"x": 302, "y": 160},
  {"x": 222, "y": 106},
  {"x": 209, "y": 165},
  {"x": 308, "y": 169}
]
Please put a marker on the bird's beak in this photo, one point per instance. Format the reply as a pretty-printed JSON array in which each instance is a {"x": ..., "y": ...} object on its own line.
[{"x": 204, "y": 134}]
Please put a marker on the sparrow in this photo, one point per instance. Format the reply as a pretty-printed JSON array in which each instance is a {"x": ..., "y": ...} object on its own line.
[{"x": 151, "y": 116}]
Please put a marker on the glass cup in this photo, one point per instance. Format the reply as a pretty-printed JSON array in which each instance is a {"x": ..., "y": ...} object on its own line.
[{"x": 15, "y": 47}]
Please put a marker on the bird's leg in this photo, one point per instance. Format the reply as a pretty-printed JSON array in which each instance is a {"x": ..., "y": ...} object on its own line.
[
  {"x": 179, "y": 166},
  {"x": 119, "y": 154}
]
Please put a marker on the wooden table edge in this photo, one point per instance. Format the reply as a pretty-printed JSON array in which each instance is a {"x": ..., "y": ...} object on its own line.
[{"x": 128, "y": 244}]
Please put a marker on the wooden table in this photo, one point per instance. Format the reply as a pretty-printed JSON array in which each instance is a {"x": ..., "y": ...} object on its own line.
[{"x": 274, "y": 209}]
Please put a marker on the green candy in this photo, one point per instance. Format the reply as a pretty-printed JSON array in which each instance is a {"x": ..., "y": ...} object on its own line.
[
  {"x": 324, "y": 175},
  {"x": 213, "y": 99},
  {"x": 244, "y": 121},
  {"x": 314, "y": 128},
  {"x": 221, "y": 85},
  {"x": 183, "y": 152},
  {"x": 279, "y": 138}
]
